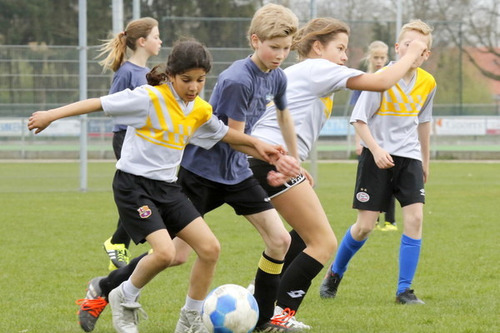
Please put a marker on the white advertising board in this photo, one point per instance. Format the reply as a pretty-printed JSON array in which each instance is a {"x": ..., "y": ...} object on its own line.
[{"x": 459, "y": 126}]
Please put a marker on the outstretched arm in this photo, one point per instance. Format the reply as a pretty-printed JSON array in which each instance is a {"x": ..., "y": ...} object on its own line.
[
  {"x": 385, "y": 79},
  {"x": 40, "y": 120}
]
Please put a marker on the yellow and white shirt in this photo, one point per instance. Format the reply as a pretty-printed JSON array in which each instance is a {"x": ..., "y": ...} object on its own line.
[
  {"x": 160, "y": 125},
  {"x": 394, "y": 115}
]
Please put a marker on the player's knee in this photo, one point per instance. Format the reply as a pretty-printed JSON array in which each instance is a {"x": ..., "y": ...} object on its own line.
[
  {"x": 413, "y": 218},
  {"x": 180, "y": 258},
  {"x": 163, "y": 258},
  {"x": 362, "y": 230},
  {"x": 323, "y": 248},
  {"x": 210, "y": 251},
  {"x": 280, "y": 243}
]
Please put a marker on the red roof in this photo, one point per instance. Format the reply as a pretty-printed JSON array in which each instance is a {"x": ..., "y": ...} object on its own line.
[{"x": 490, "y": 63}]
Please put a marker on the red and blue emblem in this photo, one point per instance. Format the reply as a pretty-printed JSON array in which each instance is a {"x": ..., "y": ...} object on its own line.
[{"x": 144, "y": 212}]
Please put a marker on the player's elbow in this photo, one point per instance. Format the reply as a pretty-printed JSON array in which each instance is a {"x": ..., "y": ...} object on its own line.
[{"x": 384, "y": 85}]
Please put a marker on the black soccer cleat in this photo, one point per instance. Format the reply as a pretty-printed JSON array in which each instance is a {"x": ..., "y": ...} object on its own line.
[
  {"x": 408, "y": 297},
  {"x": 330, "y": 284}
]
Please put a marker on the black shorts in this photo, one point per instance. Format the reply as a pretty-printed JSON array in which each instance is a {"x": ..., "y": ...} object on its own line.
[
  {"x": 246, "y": 198},
  {"x": 118, "y": 138},
  {"x": 260, "y": 170},
  {"x": 375, "y": 186},
  {"x": 146, "y": 205}
]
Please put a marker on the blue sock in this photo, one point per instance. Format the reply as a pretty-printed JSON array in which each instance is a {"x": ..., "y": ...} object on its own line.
[
  {"x": 408, "y": 261},
  {"x": 347, "y": 249}
]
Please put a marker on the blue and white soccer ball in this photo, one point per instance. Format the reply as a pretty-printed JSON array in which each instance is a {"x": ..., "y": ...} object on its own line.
[{"x": 230, "y": 309}]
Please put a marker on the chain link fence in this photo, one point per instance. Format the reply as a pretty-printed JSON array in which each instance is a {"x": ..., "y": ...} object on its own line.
[{"x": 38, "y": 77}]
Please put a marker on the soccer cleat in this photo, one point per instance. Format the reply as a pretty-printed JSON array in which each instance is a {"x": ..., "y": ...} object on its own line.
[
  {"x": 388, "y": 226},
  {"x": 125, "y": 313},
  {"x": 280, "y": 322},
  {"x": 92, "y": 305},
  {"x": 190, "y": 322},
  {"x": 408, "y": 297},
  {"x": 330, "y": 284},
  {"x": 119, "y": 255},
  {"x": 292, "y": 322}
]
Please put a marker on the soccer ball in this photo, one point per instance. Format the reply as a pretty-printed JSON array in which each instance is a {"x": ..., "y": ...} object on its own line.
[{"x": 230, "y": 309}]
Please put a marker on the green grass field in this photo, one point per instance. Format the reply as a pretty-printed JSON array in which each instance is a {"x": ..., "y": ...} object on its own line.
[{"x": 52, "y": 245}]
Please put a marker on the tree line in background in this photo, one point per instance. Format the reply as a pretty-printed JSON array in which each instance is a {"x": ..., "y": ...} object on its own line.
[
  {"x": 463, "y": 25},
  {"x": 55, "y": 22}
]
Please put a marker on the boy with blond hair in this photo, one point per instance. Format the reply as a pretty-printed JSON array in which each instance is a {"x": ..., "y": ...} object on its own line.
[
  {"x": 222, "y": 175},
  {"x": 394, "y": 128}
]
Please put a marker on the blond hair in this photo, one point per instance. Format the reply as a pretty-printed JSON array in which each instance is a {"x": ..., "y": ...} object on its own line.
[
  {"x": 116, "y": 48},
  {"x": 373, "y": 47},
  {"x": 323, "y": 29},
  {"x": 273, "y": 21},
  {"x": 418, "y": 26}
]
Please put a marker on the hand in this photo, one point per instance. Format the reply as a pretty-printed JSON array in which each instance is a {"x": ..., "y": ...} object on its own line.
[
  {"x": 418, "y": 47},
  {"x": 287, "y": 165},
  {"x": 383, "y": 159},
  {"x": 269, "y": 153},
  {"x": 426, "y": 175},
  {"x": 276, "y": 178},
  {"x": 359, "y": 149},
  {"x": 39, "y": 120}
]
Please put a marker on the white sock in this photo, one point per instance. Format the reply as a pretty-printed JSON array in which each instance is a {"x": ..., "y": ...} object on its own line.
[
  {"x": 192, "y": 304},
  {"x": 130, "y": 291}
]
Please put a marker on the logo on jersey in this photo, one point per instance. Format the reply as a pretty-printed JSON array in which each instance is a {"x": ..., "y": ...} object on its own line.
[
  {"x": 296, "y": 293},
  {"x": 269, "y": 97},
  {"x": 422, "y": 192},
  {"x": 144, "y": 212},
  {"x": 362, "y": 196}
]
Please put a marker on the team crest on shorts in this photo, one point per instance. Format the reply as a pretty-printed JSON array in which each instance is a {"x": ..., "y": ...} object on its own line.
[
  {"x": 144, "y": 212},
  {"x": 362, "y": 196}
]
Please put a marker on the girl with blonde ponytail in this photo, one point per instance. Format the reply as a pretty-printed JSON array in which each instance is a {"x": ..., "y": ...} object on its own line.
[{"x": 126, "y": 55}]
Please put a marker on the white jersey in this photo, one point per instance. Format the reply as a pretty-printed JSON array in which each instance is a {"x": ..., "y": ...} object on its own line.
[
  {"x": 160, "y": 125},
  {"x": 310, "y": 93},
  {"x": 394, "y": 115}
]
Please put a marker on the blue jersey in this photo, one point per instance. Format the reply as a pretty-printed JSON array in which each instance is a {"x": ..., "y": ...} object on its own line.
[
  {"x": 128, "y": 76},
  {"x": 241, "y": 93}
]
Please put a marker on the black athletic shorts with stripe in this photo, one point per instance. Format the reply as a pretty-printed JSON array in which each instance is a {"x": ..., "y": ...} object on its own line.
[
  {"x": 375, "y": 186},
  {"x": 246, "y": 197},
  {"x": 146, "y": 205},
  {"x": 260, "y": 170}
]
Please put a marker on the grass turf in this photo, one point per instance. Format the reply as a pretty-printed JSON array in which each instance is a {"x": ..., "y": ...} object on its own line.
[{"x": 53, "y": 234}]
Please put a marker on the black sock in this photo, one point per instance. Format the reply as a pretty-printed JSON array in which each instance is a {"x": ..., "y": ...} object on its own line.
[
  {"x": 296, "y": 247},
  {"x": 116, "y": 277},
  {"x": 297, "y": 280},
  {"x": 267, "y": 281}
]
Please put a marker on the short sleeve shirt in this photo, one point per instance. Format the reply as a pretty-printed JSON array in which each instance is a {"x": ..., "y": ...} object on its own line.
[
  {"x": 310, "y": 93},
  {"x": 241, "y": 93},
  {"x": 159, "y": 128},
  {"x": 394, "y": 115}
]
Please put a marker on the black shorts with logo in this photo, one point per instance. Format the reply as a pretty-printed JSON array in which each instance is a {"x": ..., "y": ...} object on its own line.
[
  {"x": 246, "y": 197},
  {"x": 375, "y": 186},
  {"x": 146, "y": 205}
]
